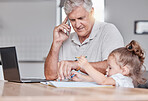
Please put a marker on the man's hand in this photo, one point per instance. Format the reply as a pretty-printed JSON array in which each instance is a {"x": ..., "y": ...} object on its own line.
[
  {"x": 65, "y": 68},
  {"x": 59, "y": 33}
]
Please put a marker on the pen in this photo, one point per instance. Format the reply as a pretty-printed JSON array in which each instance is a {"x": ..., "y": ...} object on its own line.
[
  {"x": 78, "y": 69},
  {"x": 78, "y": 58},
  {"x": 75, "y": 74}
]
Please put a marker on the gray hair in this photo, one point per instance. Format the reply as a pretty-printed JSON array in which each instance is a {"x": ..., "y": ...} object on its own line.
[{"x": 69, "y": 5}]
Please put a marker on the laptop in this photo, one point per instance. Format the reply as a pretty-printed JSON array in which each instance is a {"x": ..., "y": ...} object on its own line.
[{"x": 11, "y": 68}]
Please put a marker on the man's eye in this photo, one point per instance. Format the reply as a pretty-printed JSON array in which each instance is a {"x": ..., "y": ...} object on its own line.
[
  {"x": 81, "y": 18},
  {"x": 72, "y": 19}
]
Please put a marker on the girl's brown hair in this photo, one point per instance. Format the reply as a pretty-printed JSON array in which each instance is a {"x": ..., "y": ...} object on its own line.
[{"x": 133, "y": 57}]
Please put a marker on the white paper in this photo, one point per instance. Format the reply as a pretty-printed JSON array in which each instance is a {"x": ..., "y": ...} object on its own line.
[{"x": 74, "y": 84}]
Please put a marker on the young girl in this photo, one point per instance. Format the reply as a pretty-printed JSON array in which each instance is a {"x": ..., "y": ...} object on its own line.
[{"x": 124, "y": 68}]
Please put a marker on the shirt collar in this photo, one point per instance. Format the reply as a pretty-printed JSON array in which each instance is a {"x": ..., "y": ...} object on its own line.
[{"x": 93, "y": 32}]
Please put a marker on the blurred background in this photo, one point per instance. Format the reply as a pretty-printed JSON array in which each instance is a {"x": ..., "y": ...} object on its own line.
[{"x": 29, "y": 24}]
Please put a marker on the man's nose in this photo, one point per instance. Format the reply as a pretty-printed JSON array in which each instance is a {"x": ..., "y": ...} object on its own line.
[
  {"x": 107, "y": 69},
  {"x": 77, "y": 24}
]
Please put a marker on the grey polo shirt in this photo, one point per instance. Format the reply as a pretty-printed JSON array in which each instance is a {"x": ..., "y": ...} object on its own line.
[{"x": 103, "y": 39}]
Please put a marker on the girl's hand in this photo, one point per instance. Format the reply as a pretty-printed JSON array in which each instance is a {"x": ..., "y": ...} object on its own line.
[
  {"x": 80, "y": 77},
  {"x": 82, "y": 62}
]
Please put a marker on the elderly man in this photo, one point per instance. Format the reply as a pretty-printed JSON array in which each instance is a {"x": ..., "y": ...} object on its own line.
[{"x": 91, "y": 38}]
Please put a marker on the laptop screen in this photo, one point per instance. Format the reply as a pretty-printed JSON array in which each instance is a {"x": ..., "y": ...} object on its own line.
[{"x": 9, "y": 63}]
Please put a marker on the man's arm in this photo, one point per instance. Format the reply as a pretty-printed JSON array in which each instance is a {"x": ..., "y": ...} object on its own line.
[
  {"x": 100, "y": 66},
  {"x": 51, "y": 63}
]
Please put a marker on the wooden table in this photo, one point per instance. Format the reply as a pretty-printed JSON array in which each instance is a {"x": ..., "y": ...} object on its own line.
[{"x": 10, "y": 91}]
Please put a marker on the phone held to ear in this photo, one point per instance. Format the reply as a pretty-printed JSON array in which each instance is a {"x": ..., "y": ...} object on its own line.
[{"x": 68, "y": 22}]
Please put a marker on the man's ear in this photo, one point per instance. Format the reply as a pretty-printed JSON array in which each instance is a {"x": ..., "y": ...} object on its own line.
[{"x": 125, "y": 71}]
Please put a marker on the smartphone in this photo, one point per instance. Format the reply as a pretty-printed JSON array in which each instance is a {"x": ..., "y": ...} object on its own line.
[{"x": 68, "y": 22}]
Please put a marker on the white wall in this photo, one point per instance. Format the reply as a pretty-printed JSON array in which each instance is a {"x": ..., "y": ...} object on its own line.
[
  {"x": 28, "y": 25},
  {"x": 123, "y": 13}
]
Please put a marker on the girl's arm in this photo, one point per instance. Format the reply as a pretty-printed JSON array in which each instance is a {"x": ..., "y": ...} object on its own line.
[{"x": 97, "y": 76}]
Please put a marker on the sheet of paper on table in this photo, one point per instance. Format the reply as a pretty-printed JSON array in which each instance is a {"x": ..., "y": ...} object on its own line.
[{"x": 73, "y": 84}]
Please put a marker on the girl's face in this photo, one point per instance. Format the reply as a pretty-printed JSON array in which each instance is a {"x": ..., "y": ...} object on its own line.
[{"x": 113, "y": 68}]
